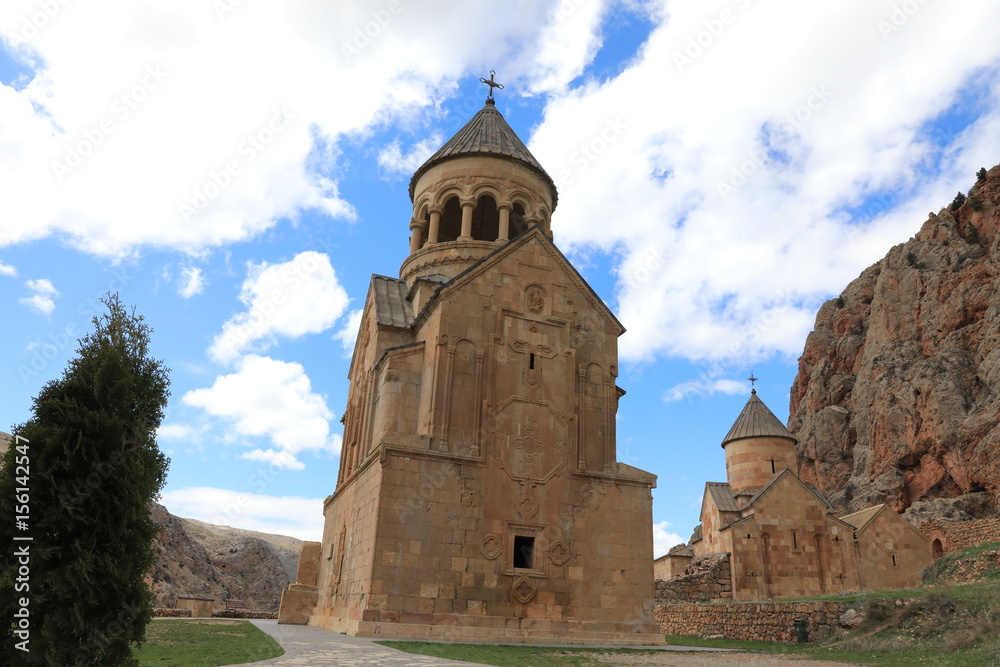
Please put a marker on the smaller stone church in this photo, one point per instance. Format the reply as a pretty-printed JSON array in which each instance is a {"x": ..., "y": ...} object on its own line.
[{"x": 782, "y": 537}]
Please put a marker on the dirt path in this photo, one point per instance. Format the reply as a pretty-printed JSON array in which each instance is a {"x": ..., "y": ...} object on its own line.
[{"x": 677, "y": 659}]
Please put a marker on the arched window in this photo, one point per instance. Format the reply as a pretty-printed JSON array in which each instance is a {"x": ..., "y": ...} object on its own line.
[
  {"x": 451, "y": 221},
  {"x": 486, "y": 219},
  {"x": 517, "y": 224}
]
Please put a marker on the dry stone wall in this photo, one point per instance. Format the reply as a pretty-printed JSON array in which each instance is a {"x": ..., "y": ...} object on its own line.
[
  {"x": 749, "y": 621},
  {"x": 957, "y": 535},
  {"x": 707, "y": 578}
]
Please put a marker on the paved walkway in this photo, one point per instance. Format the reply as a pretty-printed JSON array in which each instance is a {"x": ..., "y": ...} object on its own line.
[{"x": 306, "y": 646}]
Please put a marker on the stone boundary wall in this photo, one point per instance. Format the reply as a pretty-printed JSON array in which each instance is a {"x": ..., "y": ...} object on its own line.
[
  {"x": 707, "y": 578},
  {"x": 749, "y": 621},
  {"x": 957, "y": 535},
  {"x": 225, "y": 613},
  {"x": 166, "y": 612}
]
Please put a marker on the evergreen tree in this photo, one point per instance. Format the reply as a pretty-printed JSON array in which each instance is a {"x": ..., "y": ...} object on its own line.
[{"x": 93, "y": 470}]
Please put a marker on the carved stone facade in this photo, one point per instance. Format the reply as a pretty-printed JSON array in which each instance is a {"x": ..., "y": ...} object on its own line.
[{"x": 479, "y": 496}]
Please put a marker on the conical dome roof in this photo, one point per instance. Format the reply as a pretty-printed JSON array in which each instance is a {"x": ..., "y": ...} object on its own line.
[
  {"x": 486, "y": 133},
  {"x": 756, "y": 421}
]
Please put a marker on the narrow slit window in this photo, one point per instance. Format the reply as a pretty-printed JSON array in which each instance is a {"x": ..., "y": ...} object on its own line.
[
  {"x": 524, "y": 551},
  {"x": 531, "y": 361},
  {"x": 893, "y": 559},
  {"x": 795, "y": 540},
  {"x": 772, "y": 466}
]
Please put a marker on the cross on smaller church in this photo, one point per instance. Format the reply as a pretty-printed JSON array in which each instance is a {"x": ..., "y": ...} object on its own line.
[
  {"x": 491, "y": 83},
  {"x": 753, "y": 382}
]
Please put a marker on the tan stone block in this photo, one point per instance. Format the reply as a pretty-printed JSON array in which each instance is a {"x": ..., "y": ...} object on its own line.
[{"x": 428, "y": 590}]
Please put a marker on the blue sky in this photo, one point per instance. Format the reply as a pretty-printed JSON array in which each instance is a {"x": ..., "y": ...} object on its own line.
[{"x": 723, "y": 168}]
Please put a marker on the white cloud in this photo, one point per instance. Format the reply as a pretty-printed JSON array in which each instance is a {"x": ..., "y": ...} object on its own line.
[
  {"x": 267, "y": 397},
  {"x": 299, "y": 297},
  {"x": 393, "y": 161},
  {"x": 703, "y": 387},
  {"x": 348, "y": 334},
  {"x": 662, "y": 540},
  {"x": 8, "y": 270},
  {"x": 282, "y": 515},
  {"x": 277, "y": 458},
  {"x": 568, "y": 44},
  {"x": 176, "y": 431},
  {"x": 194, "y": 282},
  {"x": 730, "y": 173},
  {"x": 43, "y": 298},
  {"x": 206, "y": 164}
]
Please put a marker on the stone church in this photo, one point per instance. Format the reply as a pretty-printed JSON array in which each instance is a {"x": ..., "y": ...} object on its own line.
[
  {"x": 479, "y": 495},
  {"x": 782, "y": 536}
]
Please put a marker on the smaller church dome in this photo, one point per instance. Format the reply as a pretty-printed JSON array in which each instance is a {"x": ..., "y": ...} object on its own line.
[
  {"x": 756, "y": 421},
  {"x": 486, "y": 133}
]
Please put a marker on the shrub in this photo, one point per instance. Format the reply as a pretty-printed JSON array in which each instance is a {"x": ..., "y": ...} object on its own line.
[
  {"x": 976, "y": 203},
  {"x": 957, "y": 202},
  {"x": 877, "y": 612},
  {"x": 972, "y": 234},
  {"x": 840, "y": 302},
  {"x": 981, "y": 174}
]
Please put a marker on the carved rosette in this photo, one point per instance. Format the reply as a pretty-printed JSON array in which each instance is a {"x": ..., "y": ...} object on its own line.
[
  {"x": 559, "y": 553},
  {"x": 529, "y": 445},
  {"x": 527, "y": 507},
  {"x": 523, "y": 589},
  {"x": 491, "y": 546}
]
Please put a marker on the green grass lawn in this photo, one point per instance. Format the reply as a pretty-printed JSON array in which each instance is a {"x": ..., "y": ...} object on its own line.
[{"x": 204, "y": 643}]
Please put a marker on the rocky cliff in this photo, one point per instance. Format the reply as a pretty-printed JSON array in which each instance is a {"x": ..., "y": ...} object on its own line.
[
  {"x": 897, "y": 395},
  {"x": 196, "y": 559}
]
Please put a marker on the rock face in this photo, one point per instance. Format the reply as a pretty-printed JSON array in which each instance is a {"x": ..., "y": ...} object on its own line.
[
  {"x": 196, "y": 559},
  {"x": 897, "y": 395}
]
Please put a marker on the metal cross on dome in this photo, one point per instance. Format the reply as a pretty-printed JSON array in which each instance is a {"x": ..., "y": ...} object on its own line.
[
  {"x": 753, "y": 382},
  {"x": 491, "y": 83}
]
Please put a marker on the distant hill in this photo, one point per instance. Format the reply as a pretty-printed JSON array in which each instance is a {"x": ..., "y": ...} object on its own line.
[{"x": 197, "y": 559}]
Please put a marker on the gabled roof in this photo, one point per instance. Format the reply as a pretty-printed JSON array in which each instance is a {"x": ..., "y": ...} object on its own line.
[
  {"x": 534, "y": 233},
  {"x": 391, "y": 305},
  {"x": 486, "y": 133},
  {"x": 774, "y": 480},
  {"x": 681, "y": 550},
  {"x": 866, "y": 517},
  {"x": 756, "y": 421},
  {"x": 723, "y": 496},
  {"x": 861, "y": 519}
]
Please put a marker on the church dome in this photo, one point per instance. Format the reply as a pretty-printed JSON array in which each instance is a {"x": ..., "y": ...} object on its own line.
[
  {"x": 480, "y": 190},
  {"x": 756, "y": 421},
  {"x": 486, "y": 133}
]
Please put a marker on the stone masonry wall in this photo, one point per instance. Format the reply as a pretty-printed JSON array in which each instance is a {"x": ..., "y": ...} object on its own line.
[
  {"x": 706, "y": 578},
  {"x": 749, "y": 621},
  {"x": 957, "y": 535}
]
